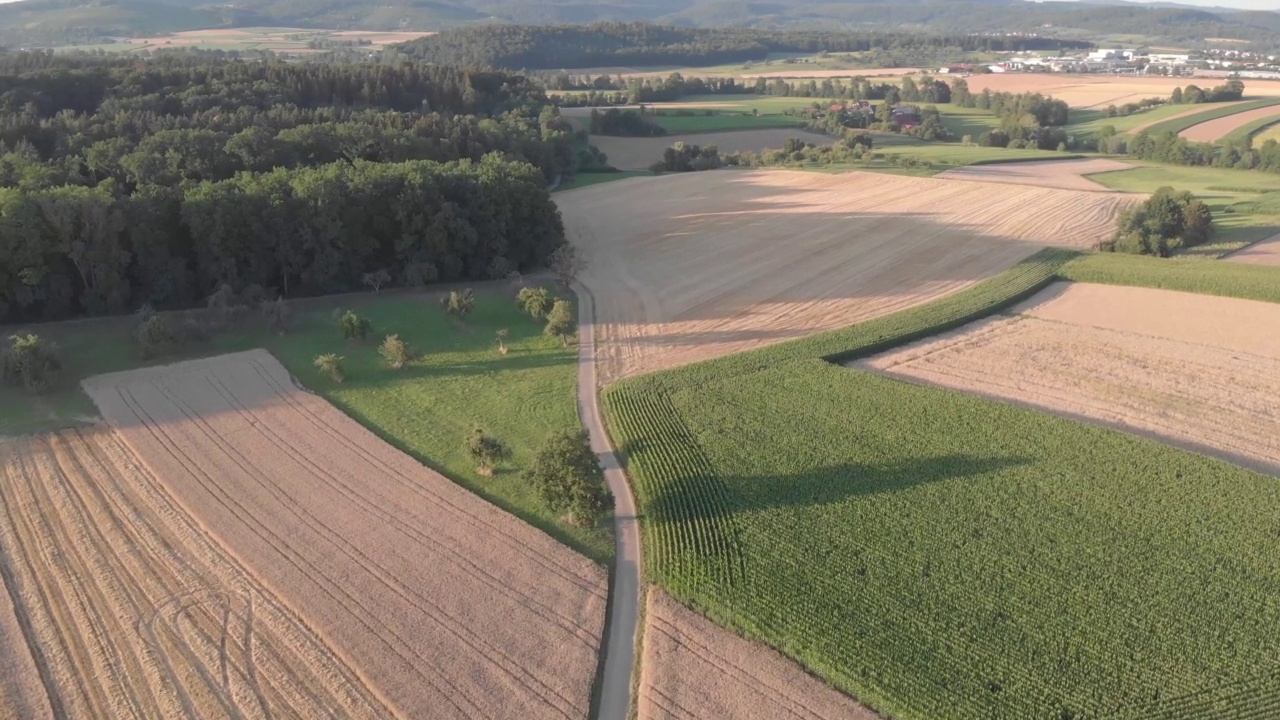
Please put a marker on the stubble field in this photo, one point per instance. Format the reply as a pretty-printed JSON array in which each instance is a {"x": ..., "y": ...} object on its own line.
[
  {"x": 1266, "y": 252},
  {"x": 440, "y": 604},
  {"x": 701, "y": 265},
  {"x": 1062, "y": 174},
  {"x": 1099, "y": 91},
  {"x": 1193, "y": 370},
  {"x": 694, "y": 669},
  {"x": 1218, "y": 128}
]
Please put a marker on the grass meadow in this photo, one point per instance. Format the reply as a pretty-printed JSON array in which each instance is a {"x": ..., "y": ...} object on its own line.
[
  {"x": 458, "y": 381},
  {"x": 941, "y": 555}
]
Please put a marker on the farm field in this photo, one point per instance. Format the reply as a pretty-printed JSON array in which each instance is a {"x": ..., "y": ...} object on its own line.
[
  {"x": 718, "y": 121},
  {"x": 634, "y": 153},
  {"x": 1064, "y": 174},
  {"x": 135, "y": 611},
  {"x": 1270, "y": 133},
  {"x": 940, "y": 555},
  {"x": 444, "y": 605},
  {"x": 693, "y": 669},
  {"x": 1215, "y": 129},
  {"x": 691, "y": 266},
  {"x": 1188, "y": 369},
  {"x": 1266, "y": 252},
  {"x": 1099, "y": 91}
]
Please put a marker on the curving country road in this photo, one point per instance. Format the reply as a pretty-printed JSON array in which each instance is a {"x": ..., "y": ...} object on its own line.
[{"x": 624, "y": 599}]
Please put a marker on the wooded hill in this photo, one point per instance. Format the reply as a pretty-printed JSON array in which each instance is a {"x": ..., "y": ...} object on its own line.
[{"x": 47, "y": 21}]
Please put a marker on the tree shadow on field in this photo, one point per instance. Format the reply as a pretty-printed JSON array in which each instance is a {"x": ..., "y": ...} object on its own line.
[{"x": 823, "y": 486}]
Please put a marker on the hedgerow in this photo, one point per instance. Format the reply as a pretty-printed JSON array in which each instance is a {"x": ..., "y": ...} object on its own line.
[{"x": 939, "y": 555}]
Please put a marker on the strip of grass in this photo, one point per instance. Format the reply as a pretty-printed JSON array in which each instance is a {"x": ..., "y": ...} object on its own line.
[
  {"x": 1087, "y": 123},
  {"x": 1239, "y": 280},
  {"x": 586, "y": 179},
  {"x": 718, "y": 122},
  {"x": 938, "y": 555},
  {"x": 1252, "y": 130},
  {"x": 426, "y": 409},
  {"x": 1177, "y": 125}
]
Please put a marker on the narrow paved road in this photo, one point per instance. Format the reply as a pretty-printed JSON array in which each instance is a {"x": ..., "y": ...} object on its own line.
[{"x": 624, "y": 602}]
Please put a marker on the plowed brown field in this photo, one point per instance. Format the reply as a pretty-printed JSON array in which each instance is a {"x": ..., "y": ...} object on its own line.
[
  {"x": 134, "y": 611},
  {"x": 442, "y": 606},
  {"x": 1196, "y": 370},
  {"x": 699, "y": 265},
  {"x": 694, "y": 670}
]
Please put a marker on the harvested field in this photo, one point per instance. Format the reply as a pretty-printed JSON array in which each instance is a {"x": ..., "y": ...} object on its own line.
[
  {"x": 1193, "y": 370},
  {"x": 1266, "y": 252},
  {"x": 443, "y": 605},
  {"x": 133, "y": 610},
  {"x": 632, "y": 153},
  {"x": 1191, "y": 110},
  {"x": 1216, "y": 129},
  {"x": 699, "y": 265},
  {"x": 1099, "y": 91},
  {"x": 696, "y": 670},
  {"x": 1062, "y": 174}
]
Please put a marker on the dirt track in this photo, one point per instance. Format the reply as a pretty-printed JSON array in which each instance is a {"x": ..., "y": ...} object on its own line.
[
  {"x": 1062, "y": 174},
  {"x": 694, "y": 670},
  {"x": 135, "y": 612},
  {"x": 444, "y": 606},
  {"x": 1215, "y": 130},
  {"x": 1195, "y": 370},
  {"x": 700, "y": 265},
  {"x": 629, "y": 153}
]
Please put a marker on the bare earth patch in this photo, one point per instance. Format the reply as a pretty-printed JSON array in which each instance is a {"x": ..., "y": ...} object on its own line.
[
  {"x": 1195, "y": 370},
  {"x": 1218, "y": 128},
  {"x": 632, "y": 153},
  {"x": 133, "y": 610},
  {"x": 699, "y": 265},
  {"x": 1063, "y": 174},
  {"x": 694, "y": 670},
  {"x": 1266, "y": 252},
  {"x": 443, "y": 605}
]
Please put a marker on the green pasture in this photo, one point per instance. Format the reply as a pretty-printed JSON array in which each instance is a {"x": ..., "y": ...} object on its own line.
[
  {"x": 961, "y": 121},
  {"x": 715, "y": 121},
  {"x": 1086, "y": 123},
  {"x": 938, "y": 555},
  {"x": 458, "y": 381}
]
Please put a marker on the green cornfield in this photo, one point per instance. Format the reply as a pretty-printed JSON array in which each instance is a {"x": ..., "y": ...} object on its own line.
[{"x": 938, "y": 555}]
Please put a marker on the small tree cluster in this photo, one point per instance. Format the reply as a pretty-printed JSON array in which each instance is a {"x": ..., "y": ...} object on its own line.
[
  {"x": 561, "y": 321},
  {"x": 30, "y": 362},
  {"x": 568, "y": 478},
  {"x": 331, "y": 364},
  {"x": 395, "y": 352},
  {"x": 459, "y": 304},
  {"x": 1166, "y": 222},
  {"x": 487, "y": 451},
  {"x": 536, "y": 302},
  {"x": 683, "y": 157},
  {"x": 353, "y": 326}
]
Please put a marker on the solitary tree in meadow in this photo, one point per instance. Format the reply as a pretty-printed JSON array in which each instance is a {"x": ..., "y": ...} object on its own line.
[
  {"x": 395, "y": 352},
  {"x": 458, "y": 305},
  {"x": 536, "y": 302},
  {"x": 331, "y": 364},
  {"x": 354, "y": 327},
  {"x": 567, "y": 264},
  {"x": 30, "y": 362},
  {"x": 502, "y": 341},
  {"x": 487, "y": 451},
  {"x": 560, "y": 322}
]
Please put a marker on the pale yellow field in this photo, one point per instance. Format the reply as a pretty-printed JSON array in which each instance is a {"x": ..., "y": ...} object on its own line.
[
  {"x": 1218, "y": 128},
  {"x": 1099, "y": 91},
  {"x": 633, "y": 153},
  {"x": 1271, "y": 133},
  {"x": 694, "y": 670},
  {"x": 1063, "y": 174},
  {"x": 1266, "y": 252},
  {"x": 699, "y": 265},
  {"x": 420, "y": 600},
  {"x": 1194, "y": 370}
]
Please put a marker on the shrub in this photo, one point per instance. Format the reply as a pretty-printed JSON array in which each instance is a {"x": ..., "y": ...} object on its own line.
[
  {"x": 568, "y": 478},
  {"x": 354, "y": 327},
  {"x": 458, "y": 305},
  {"x": 486, "y": 450},
  {"x": 277, "y": 314},
  {"x": 331, "y": 364},
  {"x": 537, "y": 302},
  {"x": 395, "y": 352},
  {"x": 155, "y": 333},
  {"x": 561, "y": 322},
  {"x": 30, "y": 362}
]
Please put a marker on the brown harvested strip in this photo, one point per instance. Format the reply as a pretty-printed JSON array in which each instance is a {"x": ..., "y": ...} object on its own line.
[
  {"x": 694, "y": 670},
  {"x": 141, "y": 616},
  {"x": 686, "y": 268},
  {"x": 1266, "y": 252},
  {"x": 444, "y": 605},
  {"x": 22, "y": 675}
]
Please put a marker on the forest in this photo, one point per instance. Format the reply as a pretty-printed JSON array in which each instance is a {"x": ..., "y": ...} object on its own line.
[
  {"x": 556, "y": 47},
  {"x": 124, "y": 183}
]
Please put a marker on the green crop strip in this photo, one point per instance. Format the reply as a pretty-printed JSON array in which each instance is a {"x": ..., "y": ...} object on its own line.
[{"x": 938, "y": 555}]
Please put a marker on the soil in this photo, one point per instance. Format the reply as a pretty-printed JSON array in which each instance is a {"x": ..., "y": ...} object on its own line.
[
  {"x": 1214, "y": 130},
  {"x": 1063, "y": 174},
  {"x": 694, "y": 669},
  {"x": 1265, "y": 252},
  {"x": 1192, "y": 370},
  {"x": 695, "y": 266},
  {"x": 443, "y": 606}
]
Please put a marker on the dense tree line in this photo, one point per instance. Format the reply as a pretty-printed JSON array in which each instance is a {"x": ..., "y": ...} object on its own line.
[
  {"x": 1230, "y": 91},
  {"x": 683, "y": 157},
  {"x": 1169, "y": 147},
  {"x": 1026, "y": 119},
  {"x": 604, "y": 44},
  {"x": 623, "y": 122},
  {"x": 125, "y": 182},
  {"x": 1166, "y": 222}
]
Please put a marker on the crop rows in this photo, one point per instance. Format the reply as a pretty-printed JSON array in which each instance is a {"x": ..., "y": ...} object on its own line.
[
  {"x": 938, "y": 555},
  {"x": 1250, "y": 282}
]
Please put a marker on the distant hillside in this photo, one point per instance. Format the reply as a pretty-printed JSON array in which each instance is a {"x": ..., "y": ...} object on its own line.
[{"x": 36, "y": 22}]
